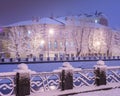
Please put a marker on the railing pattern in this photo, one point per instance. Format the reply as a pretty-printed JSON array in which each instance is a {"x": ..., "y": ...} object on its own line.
[
  {"x": 113, "y": 75},
  {"x": 84, "y": 77},
  {"x": 7, "y": 84},
  {"x": 45, "y": 81}
]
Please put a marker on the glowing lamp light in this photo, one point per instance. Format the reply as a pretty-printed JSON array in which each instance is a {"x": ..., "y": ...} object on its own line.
[
  {"x": 96, "y": 21},
  {"x": 51, "y": 31},
  {"x": 42, "y": 42},
  {"x": 29, "y": 32},
  {"x": 97, "y": 43}
]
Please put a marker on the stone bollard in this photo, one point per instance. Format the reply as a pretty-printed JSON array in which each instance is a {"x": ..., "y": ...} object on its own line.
[
  {"x": 100, "y": 73},
  {"x": 66, "y": 76},
  {"x": 22, "y": 80}
]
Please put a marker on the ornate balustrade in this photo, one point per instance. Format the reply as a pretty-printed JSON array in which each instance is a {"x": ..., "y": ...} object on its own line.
[
  {"x": 83, "y": 77},
  {"x": 113, "y": 74},
  {"x": 58, "y": 80},
  {"x": 45, "y": 81},
  {"x": 7, "y": 84}
]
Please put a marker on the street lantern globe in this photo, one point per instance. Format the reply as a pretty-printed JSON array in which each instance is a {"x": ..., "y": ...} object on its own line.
[
  {"x": 51, "y": 31},
  {"x": 97, "y": 43},
  {"x": 42, "y": 42}
]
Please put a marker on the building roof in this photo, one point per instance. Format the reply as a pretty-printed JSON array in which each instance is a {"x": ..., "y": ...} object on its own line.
[{"x": 65, "y": 20}]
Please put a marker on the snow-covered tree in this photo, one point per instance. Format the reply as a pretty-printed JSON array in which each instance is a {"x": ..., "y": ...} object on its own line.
[
  {"x": 89, "y": 38},
  {"x": 79, "y": 36},
  {"x": 36, "y": 39},
  {"x": 115, "y": 48},
  {"x": 25, "y": 40},
  {"x": 17, "y": 45}
]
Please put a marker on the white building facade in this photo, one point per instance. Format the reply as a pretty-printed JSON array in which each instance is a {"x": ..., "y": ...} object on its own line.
[{"x": 73, "y": 35}]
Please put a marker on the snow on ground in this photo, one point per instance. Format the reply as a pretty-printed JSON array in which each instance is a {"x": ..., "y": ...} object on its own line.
[
  {"x": 112, "y": 92},
  {"x": 88, "y": 91}
]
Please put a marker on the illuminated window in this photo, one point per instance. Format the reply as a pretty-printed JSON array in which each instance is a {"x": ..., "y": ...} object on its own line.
[
  {"x": 55, "y": 44},
  {"x": 61, "y": 44},
  {"x": 66, "y": 43},
  {"x": 49, "y": 44},
  {"x": 72, "y": 44}
]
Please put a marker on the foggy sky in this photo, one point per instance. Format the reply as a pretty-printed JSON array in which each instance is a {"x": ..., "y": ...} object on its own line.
[{"x": 12, "y": 11}]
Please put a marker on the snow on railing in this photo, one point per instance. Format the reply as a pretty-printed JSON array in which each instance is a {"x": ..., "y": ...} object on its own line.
[
  {"x": 7, "y": 83},
  {"x": 84, "y": 77},
  {"x": 113, "y": 74},
  {"x": 45, "y": 81},
  {"x": 56, "y": 80}
]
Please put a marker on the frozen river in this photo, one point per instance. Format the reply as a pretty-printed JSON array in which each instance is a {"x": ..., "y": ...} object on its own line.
[{"x": 46, "y": 67}]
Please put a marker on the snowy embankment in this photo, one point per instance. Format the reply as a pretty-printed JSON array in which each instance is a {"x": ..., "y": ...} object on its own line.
[
  {"x": 112, "y": 92},
  {"x": 80, "y": 91}
]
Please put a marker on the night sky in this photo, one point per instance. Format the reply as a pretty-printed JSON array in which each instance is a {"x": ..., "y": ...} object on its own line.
[{"x": 12, "y": 11}]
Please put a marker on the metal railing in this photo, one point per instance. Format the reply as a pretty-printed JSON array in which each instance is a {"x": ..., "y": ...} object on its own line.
[
  {"x": 56, "y": 59},
  {"x": 45, "y": 81},
  {"x": 83, "y": 77},
  {"x": 49, "y": 81},
  {"x": 113, "y": 74},
  {"x": 7, "y": 84}
]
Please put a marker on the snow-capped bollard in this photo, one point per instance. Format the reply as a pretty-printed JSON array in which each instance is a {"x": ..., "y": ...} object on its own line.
[
  {"x": 22, "y": 80},
  {"x": 100, "y": 73},
  {"x": 66, "y": 76}
]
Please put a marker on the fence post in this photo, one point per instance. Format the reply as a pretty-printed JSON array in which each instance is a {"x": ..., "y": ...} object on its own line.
[
  {"x": 66, "y": 77},
  {"x": 100, "y": 73},
  {"x": 22, "y": 80}
]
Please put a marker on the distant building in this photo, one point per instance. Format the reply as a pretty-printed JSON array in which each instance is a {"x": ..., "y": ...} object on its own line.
[{"x": 83, "y": 35}]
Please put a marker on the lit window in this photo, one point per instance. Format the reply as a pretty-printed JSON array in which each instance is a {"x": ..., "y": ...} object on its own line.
[
  {"x": 66, "y": 43},
  {"x": 61, "y": 44},
  {"x": 55, "y": 44},
  {"x": 49, "y": 44},
  {"x": 72, "y": 44}
]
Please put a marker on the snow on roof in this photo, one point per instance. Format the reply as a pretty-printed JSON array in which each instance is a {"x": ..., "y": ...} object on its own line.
[
  {"x": 45, "y": 20},
  {"x": 65, "y": 20},
  {"x": 48, "y": 21},
  {"x": 96, "y": 25}
]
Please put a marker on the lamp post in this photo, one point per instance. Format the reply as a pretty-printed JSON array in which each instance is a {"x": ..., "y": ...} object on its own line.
[
  {"x": 42, "y": 42},
  {"x": 51, "y": 32}
]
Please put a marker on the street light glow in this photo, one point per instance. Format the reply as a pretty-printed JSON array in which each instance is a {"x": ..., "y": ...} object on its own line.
[
  {"x": 97, "y": 43},
  {"x": 42, "y": 42},
  {"x": 51, "y": 31}
]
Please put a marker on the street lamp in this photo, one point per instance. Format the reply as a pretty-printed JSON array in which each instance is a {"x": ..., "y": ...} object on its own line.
[
  {"x": 51, "y": 32},
  {"x": 42, "y": 42}
]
